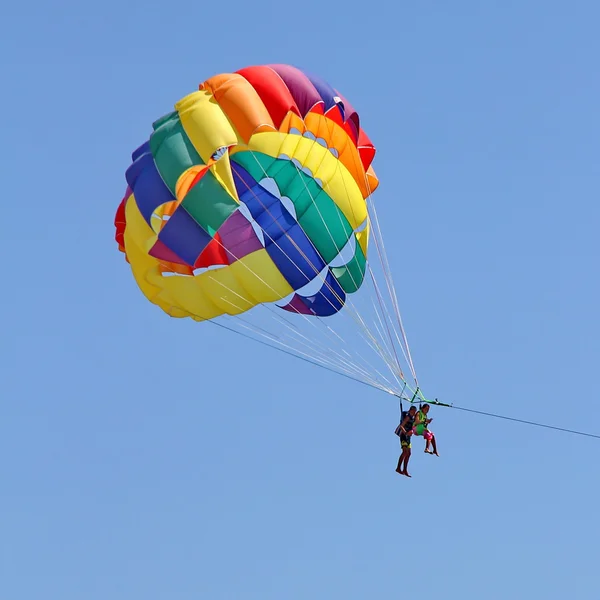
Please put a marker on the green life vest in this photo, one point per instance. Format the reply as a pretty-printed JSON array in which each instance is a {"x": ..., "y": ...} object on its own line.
[{"x": 422, "y": 425}]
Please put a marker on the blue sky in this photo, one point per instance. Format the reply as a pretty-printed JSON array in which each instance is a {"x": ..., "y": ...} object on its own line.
[{"x": 146, "y": 457}]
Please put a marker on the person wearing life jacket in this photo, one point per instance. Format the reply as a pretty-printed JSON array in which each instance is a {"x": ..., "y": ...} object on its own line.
[
  {"x": 421, "y": 428},
  {"x": 405, "y": 431}
]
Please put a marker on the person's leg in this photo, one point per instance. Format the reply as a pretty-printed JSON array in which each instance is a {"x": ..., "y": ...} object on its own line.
[
  {"x": 427, "y": 435},
  {"x": 405, "y": 471},
  {"x": 403, "y": 445},
  {"x": 401, "y": 461},
  {"x": 434, "y": 445}
]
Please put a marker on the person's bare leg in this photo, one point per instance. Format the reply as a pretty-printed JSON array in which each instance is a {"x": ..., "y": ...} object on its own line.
[
  {"x": 405, "y": 472},
  {"x": 434, "y": 445},
  {"x": 399, "y": 469}
]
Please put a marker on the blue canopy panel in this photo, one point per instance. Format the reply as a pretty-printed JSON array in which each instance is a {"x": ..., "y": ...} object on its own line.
[
  {"x": 285, "y": 241},
  {"x": 182, "y": 239},
  {"x": 146, "y": 183},
  {"x": 184, "y": 236},
  {"x": 327, "y": 301}
]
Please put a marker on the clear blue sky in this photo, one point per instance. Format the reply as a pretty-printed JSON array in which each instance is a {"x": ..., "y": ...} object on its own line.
[{"x": 145, "y": 457}]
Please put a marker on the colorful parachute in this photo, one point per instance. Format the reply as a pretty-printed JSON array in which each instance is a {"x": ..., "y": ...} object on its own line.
[{"x": 252, "y": 191}]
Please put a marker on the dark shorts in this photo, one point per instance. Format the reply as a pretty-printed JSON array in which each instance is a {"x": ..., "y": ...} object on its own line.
[{"x": 405, "y": 440}]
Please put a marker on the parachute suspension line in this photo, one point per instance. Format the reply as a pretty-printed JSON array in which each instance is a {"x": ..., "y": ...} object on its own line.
[
  {"x": 303, "y": 339},
  {"x": 327, "y": 364},
  {"x": 323, "y": 362},
  {"x": 306, "y": 258},
  {"x": 357, "y": 317},
  {"x": 324, "y": 352},
  {"x": 308, "y": 360},
  {"x": 403, "y": 346},
  {"x": 240, "y": 309},
  {"x": 384, "y": 310},
  {"x": 386, "y": 323},
  {"x": 364, "y": 369},
  {"x": 400, "y": 401},
  {"x": 359, "y": 369},
  {"x": 271, "y": 336},
  {"x": 349, "y": 303},
  {"x": 331, "y": 334},
  {"x": 394, "y": 365},
  {"x": 390, "y": 323},
  {"x": 319, "y": 354},
  {"x": 377, "y": 237},
  {"x": 399, "y": 376},
  {"x": 370, "y": 337},
  {"x": 379, "y": 244}
]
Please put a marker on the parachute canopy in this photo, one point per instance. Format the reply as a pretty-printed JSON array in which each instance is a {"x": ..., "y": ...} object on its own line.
[
  {"x": 252, "y": 191},
  {"x": 253, "y": 198}
]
